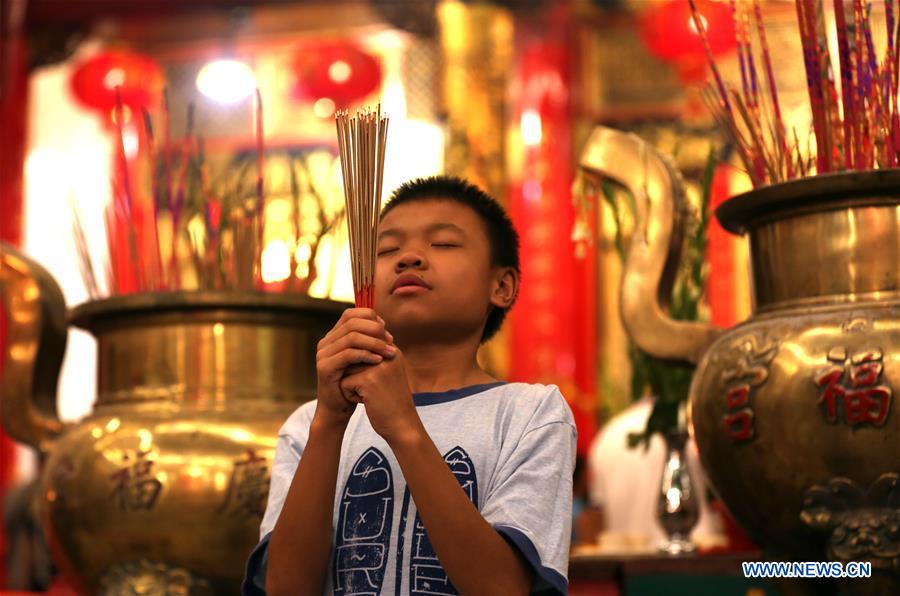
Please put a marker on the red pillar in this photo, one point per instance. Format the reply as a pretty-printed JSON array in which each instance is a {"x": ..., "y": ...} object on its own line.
[
  {"x": 13, "y": 115},
  {"x": 720, "y": 253},
  {"x": 553, "y": 338}
]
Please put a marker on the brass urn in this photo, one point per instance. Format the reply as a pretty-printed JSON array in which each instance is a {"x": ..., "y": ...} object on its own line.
[
  {"x": 793, "y": 410},
  {"x": 161, "y": 489}
]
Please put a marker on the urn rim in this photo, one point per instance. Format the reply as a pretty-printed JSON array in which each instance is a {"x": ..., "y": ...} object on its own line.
[
  {"x": 746, "y": 211},
  {"x": 89, "y": 315}
]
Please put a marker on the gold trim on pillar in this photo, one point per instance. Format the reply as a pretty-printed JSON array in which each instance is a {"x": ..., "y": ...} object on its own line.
[{"x": 477, "y": 46}]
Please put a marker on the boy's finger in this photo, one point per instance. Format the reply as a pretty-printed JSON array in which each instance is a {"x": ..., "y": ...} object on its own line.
[
  {"x": 334, "y": 339},
  {"x": 371, "y": 328},
  {"x": 340, "y": 361},
  {"x": 327, "y": 339},
  {"x": 355, "y": 368},
  {"x": 357, "y": 356},
  {"x": 387, "y": 333},
  {"x": 351, "y": 396},
  {"x": 365, "y": 325},
  {"x": 357, "y": 313},
  {"x": 357, "y": 340},
  {"x": 354, "y": 398}
]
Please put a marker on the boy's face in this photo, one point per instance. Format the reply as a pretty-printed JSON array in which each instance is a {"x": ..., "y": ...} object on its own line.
[{"x": 434, "y": 277}]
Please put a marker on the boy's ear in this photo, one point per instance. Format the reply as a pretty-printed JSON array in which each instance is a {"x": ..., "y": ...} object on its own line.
[{"x": 506, "y": 287}]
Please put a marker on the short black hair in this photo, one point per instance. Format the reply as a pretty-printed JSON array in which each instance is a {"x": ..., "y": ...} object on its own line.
[{"x": 502, "y": 235}]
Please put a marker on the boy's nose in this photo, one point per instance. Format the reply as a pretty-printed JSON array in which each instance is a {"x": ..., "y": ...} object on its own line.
[{"x": 410, "y": 259}]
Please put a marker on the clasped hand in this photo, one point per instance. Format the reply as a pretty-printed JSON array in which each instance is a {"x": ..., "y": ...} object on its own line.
[{"x": 357, "y": 362}]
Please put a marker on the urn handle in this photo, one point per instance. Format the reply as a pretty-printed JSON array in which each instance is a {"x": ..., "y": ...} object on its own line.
[
  {"x": 33, "y": 351},
  {"x": 655, "y": 247}
]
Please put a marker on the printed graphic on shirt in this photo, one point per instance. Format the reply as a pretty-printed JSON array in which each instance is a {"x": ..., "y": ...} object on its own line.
[
  {"x": 363, "y": 533},
  {"x": 426, "y": 576}
]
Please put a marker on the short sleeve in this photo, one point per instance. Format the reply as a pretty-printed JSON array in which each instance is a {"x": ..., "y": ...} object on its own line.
[
  {"x": 530, "y": 498},
  {"x": 291, "y": 442}
]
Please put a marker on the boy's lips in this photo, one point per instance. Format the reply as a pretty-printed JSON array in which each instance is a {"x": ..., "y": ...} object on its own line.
[{"x": 409, "y": 283}]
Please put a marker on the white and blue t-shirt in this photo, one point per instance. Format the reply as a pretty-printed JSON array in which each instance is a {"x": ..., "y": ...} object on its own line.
[{"x": 511, "y": 446}]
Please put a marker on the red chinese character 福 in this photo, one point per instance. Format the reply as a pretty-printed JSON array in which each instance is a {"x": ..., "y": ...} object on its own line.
[{"x": 851, "y": 383}]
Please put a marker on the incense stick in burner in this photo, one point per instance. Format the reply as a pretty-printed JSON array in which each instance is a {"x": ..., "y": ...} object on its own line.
[
  {"x": 126, "y": 196},
  {"x": 86, "y": 266},
  {"x": 362, "y": 140},
  {"x": 157, "y": 281},
  {"x": 259, "y": 220},
  {"x": 856, "y": 128},
  {"x": 211, "y": 223}
]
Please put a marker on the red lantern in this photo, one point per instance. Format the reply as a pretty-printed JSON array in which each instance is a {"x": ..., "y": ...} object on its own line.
[
  {"x": 139, "y": 79},
  {"x": 339, "y": 70},
  {"x": 669, "y": 33}
]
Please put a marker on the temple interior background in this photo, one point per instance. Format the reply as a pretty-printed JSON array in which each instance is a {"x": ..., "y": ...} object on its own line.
[{"x": 503, "y": 93}]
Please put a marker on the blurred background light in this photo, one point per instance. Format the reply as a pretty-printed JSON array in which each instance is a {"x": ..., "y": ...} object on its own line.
[{"x": 226, "y": 81}]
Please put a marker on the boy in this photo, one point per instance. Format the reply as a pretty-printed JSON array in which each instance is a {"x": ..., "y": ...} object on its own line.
[{"x": 414, "y": 471}]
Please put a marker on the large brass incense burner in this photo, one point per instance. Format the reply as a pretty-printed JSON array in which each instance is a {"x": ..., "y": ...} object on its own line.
[
  {"x": 794, "y": 410},
  {"x": 160, "y": 490}
]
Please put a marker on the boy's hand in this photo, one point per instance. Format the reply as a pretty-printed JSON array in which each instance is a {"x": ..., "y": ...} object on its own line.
[
  {"x": 384, "y": 389},
  {"x": 359, "y": 337}
]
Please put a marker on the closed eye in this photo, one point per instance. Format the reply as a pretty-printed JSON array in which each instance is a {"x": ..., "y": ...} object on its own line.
[
  {"x": 444, "y": 245},
  {"x": 387, "y": 251}
]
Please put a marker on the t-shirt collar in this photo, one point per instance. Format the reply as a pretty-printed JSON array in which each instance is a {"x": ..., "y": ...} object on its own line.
[{"x": 440, "y": 397}]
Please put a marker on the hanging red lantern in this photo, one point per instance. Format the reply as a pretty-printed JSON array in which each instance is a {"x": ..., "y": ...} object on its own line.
[
  {"x": 138, "y": 77},
  {"x": 669, "y": 32},
  {"x": 339, "y": 70}
]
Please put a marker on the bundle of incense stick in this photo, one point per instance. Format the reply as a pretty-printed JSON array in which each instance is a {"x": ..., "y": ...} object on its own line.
[
  {"x": 361, "y": 141},
  {"x": 855, "y": 117}
]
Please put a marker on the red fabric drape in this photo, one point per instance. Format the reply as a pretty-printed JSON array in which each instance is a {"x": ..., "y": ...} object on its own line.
[{"x": 13, "y": 100}]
